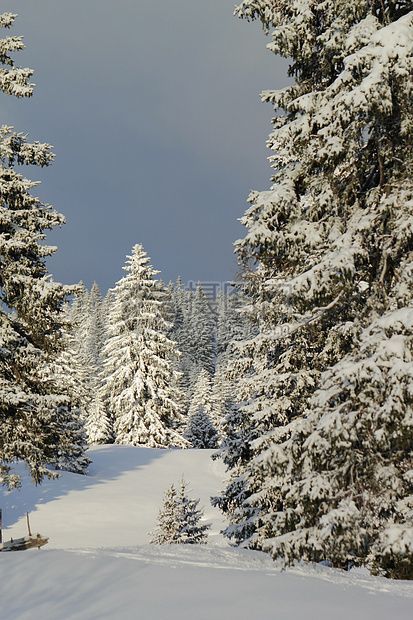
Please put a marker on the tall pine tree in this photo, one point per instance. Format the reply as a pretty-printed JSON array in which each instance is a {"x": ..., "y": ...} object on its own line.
[
  {"x": 35, "y": 408},
  {"x": 328, "y": 262},
  {"x": 140, "y": 383}
]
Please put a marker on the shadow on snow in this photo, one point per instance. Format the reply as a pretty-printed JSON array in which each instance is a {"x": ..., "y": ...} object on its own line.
[{"x": 108, "y": 463}]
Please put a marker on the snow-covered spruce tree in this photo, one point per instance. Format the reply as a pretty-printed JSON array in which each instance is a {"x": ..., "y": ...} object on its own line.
[
  {"x": 232, "y": 327},
  {"x": 71, "y": 364},
  {"x": 179, "y": 519},
  {"x": 89, "y": 312},
  {"x": 201, "y": 333},
  {"x": 178, "y": 304},
  {"x": 95, "y": 329},
  {"x": 328, "y": 264},
  {"x": 232, "y": 323},
  {"x": 87, "y": 317},
  {"x": 174, "y": 306},
  {"x": 98, "y": 427},
  {"x": 246, "y": 420},
  {"x": 168, "y": 529},
  {"x": 202, "y": 428},
  {"x": 140, "y": 383},
  {"x": 194, "y": 332},
  {"x": 200, "y": 431},
  {"x": 35, "y": 414},
  {"x": 79, "y": 372},
  {"x": 77, "y": 316},
  {"x": 67, "y": 370},
  {"x": 205, "y": 406}
]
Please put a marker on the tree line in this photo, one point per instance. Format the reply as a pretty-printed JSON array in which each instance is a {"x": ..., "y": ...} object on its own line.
[{"x": 147, "y": 363}]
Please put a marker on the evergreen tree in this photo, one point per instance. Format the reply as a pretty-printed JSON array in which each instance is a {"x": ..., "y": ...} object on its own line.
[
  {"x": 71, "y": 452},
  {"x": 174, "y": 307},
  {"x": 98, "y": 427},
  {"x": 91, "y": 333},
  {"x": 202, "y": 330},
  {"x": 232, "y": 327},
  {"x": 234, "y": 384},
  {"x": 67, "y": 370},
  {"x": 73, "y": 361},
  {"x": 202, "y": 426},
  {"x": 200, "y": 431},
  {"x": 71, "y": 365},
  {"x": 179, "y": 300},
  {"x": 240, "y": 430},
  {"x": 327, "y": 263},
  {"x": 171, "y": 309},
  {"x": 178, "y": 520},
  {"x": 195, "y": 333},
  {"x": 140, "y": 384},
  {"x": 168, "y": 529},
  {"x": 79, "y": 366},
  {"x": 94, "y": 329},
  {"x": 232, "y": 323},
  {"x": 77, "y": 317},
  {"x": 36, "y": 421},
  {"x": 203, "y": 422},
  {"x": 87, "y": 315}
]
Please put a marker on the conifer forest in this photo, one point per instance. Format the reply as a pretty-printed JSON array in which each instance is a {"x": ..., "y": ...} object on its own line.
[{"x": 298, "y": 376}]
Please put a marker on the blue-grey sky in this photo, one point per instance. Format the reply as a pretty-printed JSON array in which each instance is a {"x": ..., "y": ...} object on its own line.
[{"x": 153, "y": 110}]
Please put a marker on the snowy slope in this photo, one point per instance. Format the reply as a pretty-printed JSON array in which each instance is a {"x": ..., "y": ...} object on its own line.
[
  {"x": 98, "y": 563},
  {"x": 117, "y": 503}
]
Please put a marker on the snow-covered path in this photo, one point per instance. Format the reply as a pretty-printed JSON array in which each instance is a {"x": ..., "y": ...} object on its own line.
[{"x": 98, "y": 563}]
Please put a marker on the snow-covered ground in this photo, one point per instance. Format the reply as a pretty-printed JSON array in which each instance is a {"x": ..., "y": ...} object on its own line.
[{"x": 98, "y": 563}]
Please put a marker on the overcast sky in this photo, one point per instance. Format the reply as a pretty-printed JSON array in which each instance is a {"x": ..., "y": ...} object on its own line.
[{"x": 153, "y": 110}]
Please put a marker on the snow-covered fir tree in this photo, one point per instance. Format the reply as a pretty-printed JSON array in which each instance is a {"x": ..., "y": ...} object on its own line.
[
  {"x": 169, "y": 306},
  {"x": 202, "y": 329},
  {"x": 178, "y": 304},
  {"x": 87, "y": 314},
  {"x": 95, "y": 328},
  {"x": 235, "y": 330},
  {"x": 36, "y": 421},
  {"x": 70, "y": 365},
  {"x": 203, "y": 423},
  {"x": 168, "y": 528},
  {"x": 194, "y": 331},
  {"x": 179, "y": 519},
  {"x": 68, "y": 371},
  {"x": 200, "y": 431},
  {"x": 98, "y": 426},
  {"x": 232, "y": 327},
  {"x": 139, "y": 381},
  {"x": 77, "y": 316},
  {"x": 328, "y": 262},
  {"x": 175, "y": 306},
  {"x": 91, "y": 335},
  {"x": 240, "y": 429},
  {"x": 232, "y": 323},
  {"x": 80, "y": 362},
  {"x": 72, "y": 359}
]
